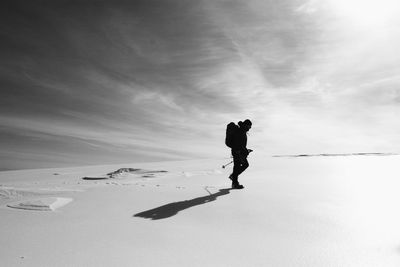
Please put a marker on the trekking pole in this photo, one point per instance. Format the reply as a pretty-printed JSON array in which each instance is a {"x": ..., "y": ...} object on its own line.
[{"x": 223, "y": 166}]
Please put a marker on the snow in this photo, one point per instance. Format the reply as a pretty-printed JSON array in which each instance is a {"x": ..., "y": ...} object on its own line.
[
  {"x": 294, "y": 211},
  {"x": 44, "y": 204}
]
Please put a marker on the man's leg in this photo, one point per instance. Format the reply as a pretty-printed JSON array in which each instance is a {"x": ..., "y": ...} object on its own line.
[
  {"x": 236, "y": 169},
  {"x": 240, "y": 164},
  {"x": 243, "y": 166},
  {"x": 237, "y": 166}
]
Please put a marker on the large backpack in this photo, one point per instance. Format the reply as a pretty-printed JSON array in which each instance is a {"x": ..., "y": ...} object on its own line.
[{"x": 231, "y": 130}]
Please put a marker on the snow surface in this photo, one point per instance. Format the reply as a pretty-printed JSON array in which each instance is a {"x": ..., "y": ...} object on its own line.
[
  {"x": 294, "y": 211},
  {"x": 43, "y": 204}
]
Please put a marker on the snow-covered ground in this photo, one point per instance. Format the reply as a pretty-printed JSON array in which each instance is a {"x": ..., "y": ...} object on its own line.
[{"x": 294, "y": 211}]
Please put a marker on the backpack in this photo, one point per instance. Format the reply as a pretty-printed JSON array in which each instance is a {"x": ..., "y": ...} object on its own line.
[{"x": 231, "y": 130}]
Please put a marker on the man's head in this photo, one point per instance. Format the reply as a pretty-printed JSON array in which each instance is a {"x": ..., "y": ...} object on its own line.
[{"x": 246, "y": 125}]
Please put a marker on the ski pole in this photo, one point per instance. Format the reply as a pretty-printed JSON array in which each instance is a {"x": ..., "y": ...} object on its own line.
[{"x": 223, "y": 166}]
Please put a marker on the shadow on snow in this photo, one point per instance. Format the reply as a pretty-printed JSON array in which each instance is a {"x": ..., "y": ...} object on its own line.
[{"x": 173, "y": 208}]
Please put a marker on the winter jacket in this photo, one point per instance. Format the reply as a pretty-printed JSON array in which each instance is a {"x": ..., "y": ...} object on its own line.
[{"x": 240, "y": 141}]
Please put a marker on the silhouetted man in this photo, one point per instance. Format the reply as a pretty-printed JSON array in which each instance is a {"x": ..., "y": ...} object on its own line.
[{"x": 240, "y": 153}]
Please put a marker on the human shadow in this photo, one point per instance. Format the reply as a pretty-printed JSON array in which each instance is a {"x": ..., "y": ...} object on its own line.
[{"x": 173, "y": 208}]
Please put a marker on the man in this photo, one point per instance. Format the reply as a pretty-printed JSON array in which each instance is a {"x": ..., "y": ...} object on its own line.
[{"x": 240, "y": 153}]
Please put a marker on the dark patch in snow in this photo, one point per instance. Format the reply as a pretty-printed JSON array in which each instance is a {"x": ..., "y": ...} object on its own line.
[
  {"x": 122, "y": 171},
  {"x": 95, "y": 178},
  {"x": 146, "y": 173},
  {"x": 335, "y": 155}
]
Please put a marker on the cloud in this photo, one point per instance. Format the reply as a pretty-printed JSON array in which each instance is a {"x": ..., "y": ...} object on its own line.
[
  {"x": 142, "y": 73},
  {"x": 133, "y": 78}
]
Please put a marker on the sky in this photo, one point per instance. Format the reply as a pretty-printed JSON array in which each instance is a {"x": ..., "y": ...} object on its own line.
[{"x": 103, "y": 82}]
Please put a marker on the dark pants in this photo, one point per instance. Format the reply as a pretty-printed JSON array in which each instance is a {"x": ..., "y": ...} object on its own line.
[{"x": 240, "y": 164}]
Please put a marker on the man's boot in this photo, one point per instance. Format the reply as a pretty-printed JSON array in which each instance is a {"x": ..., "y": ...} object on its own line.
[{"x": 235, "y": 183}]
